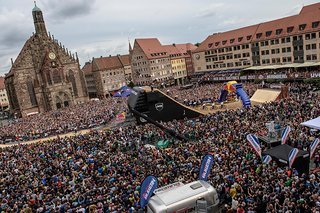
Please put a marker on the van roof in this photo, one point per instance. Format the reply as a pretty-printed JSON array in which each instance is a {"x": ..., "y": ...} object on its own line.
[{"x": 183, "y": 192}]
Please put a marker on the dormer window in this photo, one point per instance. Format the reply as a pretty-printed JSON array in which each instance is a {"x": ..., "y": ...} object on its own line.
[
  {"x": 302, "y": 27},
  {"x": 210, "y": 45},
  {"x": 268, "y": 33},
  {"x": 224, "y": 42},
  {"x": 290, "y": 29},
  {"x": 217, "y": 43},
  {"x": 259, "y": 35},
  {"x": 231, "y": 41},
  {"x": 315, "y": 24},
  {"x": 249, "y": 37},
  {"x": 278, "y": 31},
  {"x": 240, "y": 39}
]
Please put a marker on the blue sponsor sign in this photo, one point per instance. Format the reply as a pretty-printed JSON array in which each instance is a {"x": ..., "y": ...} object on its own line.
[
  {"x": 149, "y": 184},
  {"x": 205, "y": 167}
]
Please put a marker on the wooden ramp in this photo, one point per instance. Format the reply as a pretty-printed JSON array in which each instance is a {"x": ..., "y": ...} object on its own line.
[{"x": 265, "y": 95}]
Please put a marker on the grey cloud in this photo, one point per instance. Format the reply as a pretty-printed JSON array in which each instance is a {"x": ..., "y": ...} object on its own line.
[
  {"x": 58, "y": 11},
  {"x": 210, "y": 11}
]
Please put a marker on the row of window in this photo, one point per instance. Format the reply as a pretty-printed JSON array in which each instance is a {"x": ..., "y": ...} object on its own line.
[
  {"x": 227, "y": 49},
  {"x": 112, "y": 73},
  {"x": 224, "y": 65},
  {"x": 2, "y": 95},
  {"x": 179, "y": 67},
  {"x": 178, "y": 61}
]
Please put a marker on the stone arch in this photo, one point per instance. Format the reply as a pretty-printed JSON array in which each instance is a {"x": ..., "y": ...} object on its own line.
[
  {"x": 32, "y": 94},
  {"x": 56, "y": 77},
  {"x": 62, "y": 100},
  {"x": 72, "y": 79}
]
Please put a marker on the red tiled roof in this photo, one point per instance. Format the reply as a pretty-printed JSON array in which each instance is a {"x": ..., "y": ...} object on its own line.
[
  {"x": 125, "y": 60},
  {"x": 107, "y": 63},
  {"x": 307, "y": 15},
  {"x": 151, "y": 47},
  {"x": 87, "y": 68},
  {"x": 2, "y": 86}
]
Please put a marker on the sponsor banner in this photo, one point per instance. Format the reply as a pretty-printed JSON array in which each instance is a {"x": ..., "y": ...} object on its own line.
[
  {"x": 315, "y": 75},
  {"x": 292, "y": 156},
  {"x": 149, "y": 184},
  {"x": 205, "y": 168},
  {"x": 314, "y": 146},
  {"x": 121, "y": 117},
  {"x": 254, "y": 142},
  {"x": 266, "y": 159},
  {"x": 285, "y": 134},
  {"x": 279, "y": 76}
]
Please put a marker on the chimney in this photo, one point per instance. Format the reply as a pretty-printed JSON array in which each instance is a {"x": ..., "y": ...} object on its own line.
[
  {"x": 109, "y": 55},
  {"x": 174, "y": 44}
]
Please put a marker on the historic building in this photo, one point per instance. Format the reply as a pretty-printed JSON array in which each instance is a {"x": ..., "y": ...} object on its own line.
[
  {"x": 110, "y": 73},
  {"x": 293, "y": 39},
  {"x": 4, "y": 102},
  {"x": 90, "y": 80},
  {"x": 153, "y": 62},
  {"x": 45, "y": 76}
]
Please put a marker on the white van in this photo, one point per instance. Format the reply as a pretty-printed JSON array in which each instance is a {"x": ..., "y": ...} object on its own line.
[{"x": 198, "y": 196}]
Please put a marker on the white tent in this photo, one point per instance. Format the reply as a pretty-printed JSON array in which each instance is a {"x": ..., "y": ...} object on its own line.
[{"x": 314, "y": 123}]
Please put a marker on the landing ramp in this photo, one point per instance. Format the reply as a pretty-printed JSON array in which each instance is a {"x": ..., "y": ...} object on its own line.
[
  {"x": 265, "y": 95},
  {"x": 158, "y": 106}
]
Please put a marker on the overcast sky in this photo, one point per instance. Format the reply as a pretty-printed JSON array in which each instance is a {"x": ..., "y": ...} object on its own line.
[{"x": 102, "y": 27}]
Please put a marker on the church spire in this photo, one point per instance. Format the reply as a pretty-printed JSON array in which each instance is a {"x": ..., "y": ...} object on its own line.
[
  {"x": 130, "y": 48},
  {"x": 38, "y": 21}
]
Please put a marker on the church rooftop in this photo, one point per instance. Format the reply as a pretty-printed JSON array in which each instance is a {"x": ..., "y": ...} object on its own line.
[{"x": 36, "y": 8}]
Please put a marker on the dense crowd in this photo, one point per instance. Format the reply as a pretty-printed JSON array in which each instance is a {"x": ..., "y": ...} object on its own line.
[
  {"x": 74, "y": 118},
  {"x": 203, "y": 94},
  {"x": 101, "y": 171}
]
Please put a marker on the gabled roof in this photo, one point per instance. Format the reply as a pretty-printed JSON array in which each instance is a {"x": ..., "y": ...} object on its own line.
[
  {"x": 87, "y": 68},
  {"x": 107, "y": 63},
  {"x": 266, "y": 30},
  {"x": 154, "y": 49},
  {"x": 151, "y": 47},
  {"x": 2, "y": 86},
  {"x": 125, "y": 60}
]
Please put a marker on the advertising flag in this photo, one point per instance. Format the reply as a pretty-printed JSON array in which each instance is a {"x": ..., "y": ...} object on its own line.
[
  {"x": 266, "y": 159},
  {"x": 285, "y": 134},
  {"x": 205, "y": 168},
  {"x": 254, "y": 141},
  {"x": 292, "y": 156},
  {"x": 314, "y": 146},
  {"x": 149, "y": 184}
]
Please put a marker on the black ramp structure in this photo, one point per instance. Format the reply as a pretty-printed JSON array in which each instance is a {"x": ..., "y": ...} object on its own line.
[
  {"x": 158, "y": 106},
  {"x": 280, "y": 154}
]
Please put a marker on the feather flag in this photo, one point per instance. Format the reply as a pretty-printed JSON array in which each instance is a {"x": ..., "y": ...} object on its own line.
[
  {"x": 205, "y": 167},
  {"x": 285, "y": 134},
  {"x": 254, "y": 141},
  {"x": 292, "y": 156},
  {"x": 266, "y": 159},
  {"x": 314, "y": 146}
]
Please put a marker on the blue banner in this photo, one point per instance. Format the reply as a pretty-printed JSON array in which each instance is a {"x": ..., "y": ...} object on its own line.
[
  {"x": 205, "y": 167},
  {"x": 149, "y": 184}
]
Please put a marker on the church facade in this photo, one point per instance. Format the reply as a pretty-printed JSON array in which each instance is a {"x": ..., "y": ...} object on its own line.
[{"x": 45, "y": 76}]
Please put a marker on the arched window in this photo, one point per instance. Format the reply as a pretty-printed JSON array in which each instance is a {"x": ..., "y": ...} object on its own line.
[
  {"x": 56, "y": 77},
  {"x": 73, "y": 82},
  {"x": 32, "y": 94}
]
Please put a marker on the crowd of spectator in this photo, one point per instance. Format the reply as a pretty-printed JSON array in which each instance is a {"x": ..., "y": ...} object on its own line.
[
  {"x": 200, "y": 94},
  {"x": 101, "y": 171},
  {"x": 73, "y": 118}
]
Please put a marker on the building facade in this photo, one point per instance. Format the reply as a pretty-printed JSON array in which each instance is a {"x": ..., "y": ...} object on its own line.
[
  {"x": 4, "y": 102},
  {"x": 109, "y": 74},
  {"x": 45, "y": 76},
  {"x": 90, "y": 80},
  {"x": 126, "y": 63},
  {"x": 294, "y": 39},
  {"x": 154, "y": 62}
]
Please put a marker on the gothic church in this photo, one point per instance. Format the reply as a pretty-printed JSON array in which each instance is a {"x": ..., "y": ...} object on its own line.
[{"x": 45, "y": 76}]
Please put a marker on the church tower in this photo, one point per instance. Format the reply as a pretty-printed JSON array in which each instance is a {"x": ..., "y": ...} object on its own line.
[
  {"x": 45, "y": 75},
  {"x": 38, "y": 21}
]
